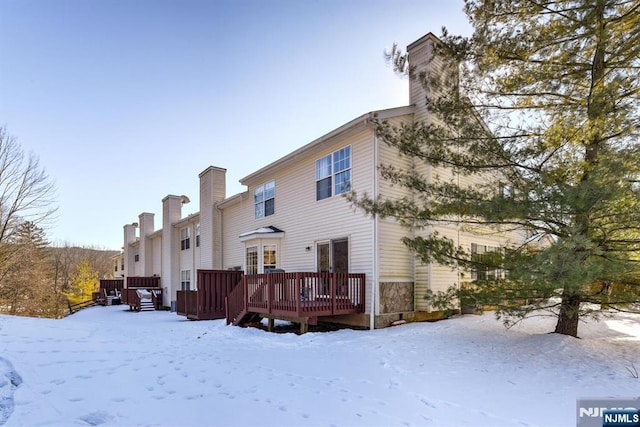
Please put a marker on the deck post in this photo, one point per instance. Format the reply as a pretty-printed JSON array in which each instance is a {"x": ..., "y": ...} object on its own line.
[
  {"x": 271, "y": 324},
  {"x": 334, "y": 285},
  {"x": 269, "y": 292},
  {"x": 245, "y": 293},
  {"x": 304, "y": 327},
  {"x": 298, "y": 294}
]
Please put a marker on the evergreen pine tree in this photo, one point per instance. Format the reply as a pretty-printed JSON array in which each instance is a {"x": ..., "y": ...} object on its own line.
[{"x": 541, "y": 107}]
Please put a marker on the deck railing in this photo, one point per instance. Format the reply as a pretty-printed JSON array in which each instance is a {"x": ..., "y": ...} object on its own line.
[
  {"x": 143, "y": 282},
  {"x": 208, "y": 301},
  {"x": 187, "y": 303},
  {"x": 235, "y": 303},
  {"x": 131, "y": 297},
  {"x": 111, "y": 284},
  {"x": 305, "y": 294}
]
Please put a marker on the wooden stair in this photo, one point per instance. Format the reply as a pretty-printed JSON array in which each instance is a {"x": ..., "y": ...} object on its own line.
[
  {"x": 245, "y": 317},
  {"x": 147, "y": 305}
]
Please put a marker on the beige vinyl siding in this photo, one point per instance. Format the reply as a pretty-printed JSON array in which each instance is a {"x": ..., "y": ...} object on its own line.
[
  {"x": 395, "y": 260},
  {"x": 441, "y": 277},
  {"x": 422, "y": 273},
  {"x": 420, "y": 57},
  {"x": 304, "y": 220}
]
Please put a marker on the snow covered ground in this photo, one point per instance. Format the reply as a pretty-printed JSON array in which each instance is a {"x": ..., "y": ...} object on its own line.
[{"x": 108, "y": 366}]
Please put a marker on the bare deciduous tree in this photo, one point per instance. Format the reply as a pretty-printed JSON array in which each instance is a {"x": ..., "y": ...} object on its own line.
[{"x": 26, "y": 192}]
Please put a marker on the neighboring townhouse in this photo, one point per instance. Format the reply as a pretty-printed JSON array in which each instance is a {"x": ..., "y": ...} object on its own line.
[{"x": 293, "y": 217}]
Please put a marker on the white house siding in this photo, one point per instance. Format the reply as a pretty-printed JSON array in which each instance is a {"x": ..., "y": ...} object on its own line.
[
  {"x": 189, "y": 258},
  {"x": 156, "y": 244},
  {"x": 237, "y": 218},
  {"x": 212, "y": 190}
]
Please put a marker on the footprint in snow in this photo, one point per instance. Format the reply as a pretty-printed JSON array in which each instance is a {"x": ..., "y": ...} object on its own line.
[
  {"x": 97, "y": 418},
  {"x": 58, "y": 381},
  {"x": 427, "y": 403}
]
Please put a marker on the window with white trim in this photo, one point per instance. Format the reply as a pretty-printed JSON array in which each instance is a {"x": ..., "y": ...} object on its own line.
[
  {"x": 252, "y": 260},
  {"x": 333, "y": 174},
  {"x": 185, "y": 280},
  {"x": 197, "y": 235},
  {"x": 185, "y": 238},
  {"x": 485, "y": 268},
  {"x": 264, "y": 199},
  {"x": 268, "y": 257}
]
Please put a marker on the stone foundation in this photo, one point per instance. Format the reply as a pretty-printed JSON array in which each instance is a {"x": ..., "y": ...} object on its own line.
[{"x": 396, "y": 297}]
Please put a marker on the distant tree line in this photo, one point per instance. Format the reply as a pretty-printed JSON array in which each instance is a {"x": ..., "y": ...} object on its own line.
[
  {"x": 36, "y": 278},
  {"x": 41, "y": 280}
]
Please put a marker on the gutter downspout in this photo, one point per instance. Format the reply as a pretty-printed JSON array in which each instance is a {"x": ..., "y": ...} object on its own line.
[
  {"x": 374, "y": 279},
  {"x": 194, "y": 267}
]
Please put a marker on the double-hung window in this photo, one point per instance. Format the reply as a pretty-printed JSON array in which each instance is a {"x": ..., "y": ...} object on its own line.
[
  {"x": 333, "y": 174},
  {"x": 185, "y": 238},
  {"x": 268, "y": 257},
  {"x": 264, "y": 199},
  {"x": 252, "y": 260},
  {"x": 261, "y": 258},
  {"x": 486, "y": 259},
  {"x": 197, "y": 235},
  {"x": 185, "y": 280}
]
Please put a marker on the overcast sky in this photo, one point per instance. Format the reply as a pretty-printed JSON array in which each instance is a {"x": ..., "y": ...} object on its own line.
[{"x": 125, "y": 102}]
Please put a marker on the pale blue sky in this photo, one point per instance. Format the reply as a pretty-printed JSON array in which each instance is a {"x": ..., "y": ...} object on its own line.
[{"x": 126, "y": 101}]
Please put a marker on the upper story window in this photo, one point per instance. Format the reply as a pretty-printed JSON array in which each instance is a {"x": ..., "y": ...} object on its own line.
[
  {"x": 264, "y": 199},
  {"x": 197, "y": 235},
  {"x": 136, "y": 255},
  {"x": 486, "y": 267},
  {"x": 185, "y": 238},
  {"x": 333, "y": 174}
]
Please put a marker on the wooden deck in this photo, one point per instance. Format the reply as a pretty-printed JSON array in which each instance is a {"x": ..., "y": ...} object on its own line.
[
  {"x": 299, "y": 296},
  {"x": 131, "y": 297},
  {"x": 144, "y": 284},
  {"x": 208, "y": 302}
]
